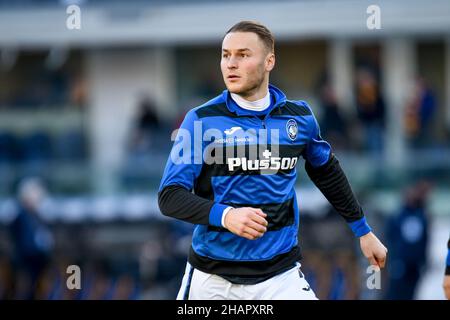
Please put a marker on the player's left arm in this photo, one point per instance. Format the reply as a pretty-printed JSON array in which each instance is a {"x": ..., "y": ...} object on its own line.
[{"x": 323, "y": 168}]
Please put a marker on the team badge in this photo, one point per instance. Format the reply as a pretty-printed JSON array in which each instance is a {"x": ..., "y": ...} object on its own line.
[{"x": 292, "y": 129}]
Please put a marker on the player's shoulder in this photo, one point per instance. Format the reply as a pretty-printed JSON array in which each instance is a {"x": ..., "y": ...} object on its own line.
[
  {"x": 298, "y": 108},
  {"x": 199, "y": 111},
  {"x": 212, "y": 108}
]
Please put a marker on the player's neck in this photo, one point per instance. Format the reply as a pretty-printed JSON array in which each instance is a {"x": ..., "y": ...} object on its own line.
[{"x": 256, "y": 105}]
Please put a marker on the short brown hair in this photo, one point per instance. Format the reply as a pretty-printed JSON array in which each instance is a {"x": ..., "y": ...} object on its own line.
[{"x": 261, "y": 31}]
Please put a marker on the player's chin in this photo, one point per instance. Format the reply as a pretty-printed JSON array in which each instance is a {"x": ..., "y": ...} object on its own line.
[{"x": 235, "y": 87}]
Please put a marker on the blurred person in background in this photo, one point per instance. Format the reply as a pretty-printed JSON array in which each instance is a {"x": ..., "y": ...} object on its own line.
[
  {"x": 143, "y": 140},
  {"x": 146, "y": 125},
  {"x": 148, "y": 120},
  {"x": 447, "y": 273},
  {"x": 333, "y": 123},
  {"x": 31, "y": 236},
  {"x": 407, "y": 237},
  {"x": 419, "y": 114},
  {"x": 370, "y": 109}
]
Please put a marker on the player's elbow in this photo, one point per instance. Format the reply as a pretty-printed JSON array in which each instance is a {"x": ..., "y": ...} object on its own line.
[
  {"x": 163, "y": 202},
  {"x": 166, "y": 201}
]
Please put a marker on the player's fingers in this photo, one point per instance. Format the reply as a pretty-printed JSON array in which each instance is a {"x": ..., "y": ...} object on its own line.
[
  {"x": 374, "y": 263},
  {"x": 259, "y": 212},
  {"x": 382, "y": 263},
  {"x": 251, "y": 234},
  {"x": 258, "y": 219},
  {"x": 380, "y": 256},
  {"x": 256, "y": 226},
  {"x": 246, "y": 235}
]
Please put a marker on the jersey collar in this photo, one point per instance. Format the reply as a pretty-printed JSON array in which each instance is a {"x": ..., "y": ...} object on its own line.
[{"x": 278, "y": 99}]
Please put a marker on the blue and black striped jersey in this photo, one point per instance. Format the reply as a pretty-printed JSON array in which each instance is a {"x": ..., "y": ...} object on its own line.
[{"x": 224, "y": 156}]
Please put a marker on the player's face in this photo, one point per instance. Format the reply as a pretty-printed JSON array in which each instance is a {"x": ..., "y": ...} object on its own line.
[{"x": 245, "y": 63}]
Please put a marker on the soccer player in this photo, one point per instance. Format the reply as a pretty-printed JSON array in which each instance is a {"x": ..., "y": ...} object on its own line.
[
  {"x": 231, "y": 172},
  {"x": 447, "y": 273}
]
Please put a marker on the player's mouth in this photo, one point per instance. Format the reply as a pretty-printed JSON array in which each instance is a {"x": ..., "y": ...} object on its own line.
[{"x": 233, "y": 77}]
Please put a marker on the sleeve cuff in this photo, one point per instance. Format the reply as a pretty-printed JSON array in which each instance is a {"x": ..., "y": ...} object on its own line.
[
  {"x": 224, "y": 214},
  {"x": 360, "y": 227},
  {"x": 216, "y": 213}
]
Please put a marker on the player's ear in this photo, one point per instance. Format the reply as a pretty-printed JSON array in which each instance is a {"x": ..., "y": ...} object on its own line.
[{"x": 270, "y": 61}]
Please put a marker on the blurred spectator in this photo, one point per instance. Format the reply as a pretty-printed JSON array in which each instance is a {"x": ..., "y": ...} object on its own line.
[
  {"x": 407, "y": 238},
  {"x": 147, "y": 119},
  {"x": 370, "y": 109},
  {"x": 32, "y": 238},
  {"x": 419, "y": 114},
  {"x": 78, "y": 91},
  {"x": 333, "y": 125},
  {"x": 145, "y": 128},
  {"x": 148, "y": 139}
]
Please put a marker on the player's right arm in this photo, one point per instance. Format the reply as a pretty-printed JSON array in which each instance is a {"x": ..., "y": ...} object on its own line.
[{"x": 175, "y": 197}]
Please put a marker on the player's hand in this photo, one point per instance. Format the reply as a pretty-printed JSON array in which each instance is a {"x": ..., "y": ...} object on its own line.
[
  {"x": 246, "y": 222},
  {"x": 447, "y": 287},
  {"x": 373, "y": 250}
]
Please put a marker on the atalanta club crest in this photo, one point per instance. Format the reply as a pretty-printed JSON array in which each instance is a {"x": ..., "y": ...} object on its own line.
[{"x": 292, "y": 129}]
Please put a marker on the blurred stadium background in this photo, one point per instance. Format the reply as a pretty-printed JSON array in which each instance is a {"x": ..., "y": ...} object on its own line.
[{"x": 90, "y": 112}]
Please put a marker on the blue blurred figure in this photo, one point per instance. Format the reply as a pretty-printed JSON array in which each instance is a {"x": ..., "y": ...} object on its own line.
[
  {"x": 31, "y": 236},
  {"x": 420, "y": 115},
  {"x": 371, "y": 109},
  {"x": 407, "y": 237}
]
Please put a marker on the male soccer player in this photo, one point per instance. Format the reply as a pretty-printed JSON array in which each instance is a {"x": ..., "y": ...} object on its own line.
[{"x": 237, "y": 153}]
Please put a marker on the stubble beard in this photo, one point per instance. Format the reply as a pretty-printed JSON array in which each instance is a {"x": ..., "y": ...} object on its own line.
[{"x": 251, "y": 87}]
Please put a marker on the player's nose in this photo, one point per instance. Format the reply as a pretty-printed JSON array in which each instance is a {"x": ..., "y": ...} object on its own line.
[{"x": 232, "y": 63}]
